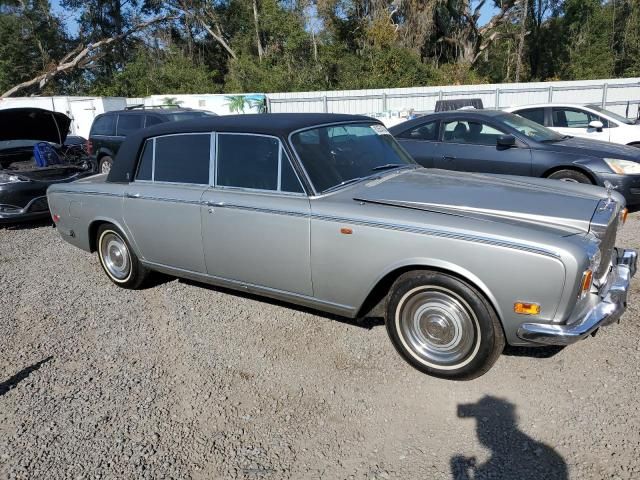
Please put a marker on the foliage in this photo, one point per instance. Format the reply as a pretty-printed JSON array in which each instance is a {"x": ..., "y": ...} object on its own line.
[{"x": 296, "y": 45}]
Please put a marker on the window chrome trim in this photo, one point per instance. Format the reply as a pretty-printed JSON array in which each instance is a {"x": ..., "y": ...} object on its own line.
[
  {"x": 153, "y": 164},
  {"x": 278, "y": 181}
]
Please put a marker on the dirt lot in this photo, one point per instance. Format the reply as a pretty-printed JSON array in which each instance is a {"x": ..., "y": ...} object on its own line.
[{"x": 181, "y": 380}]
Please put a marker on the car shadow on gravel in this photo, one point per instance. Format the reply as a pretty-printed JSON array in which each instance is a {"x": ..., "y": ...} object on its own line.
[
  {"x": 45, "y": 222},
  {"x": 21, "y": 375},
  {"x": 367, "y": 322},
  {"x": 533, "y": 352},
  {"x": 514, "y": 454}
]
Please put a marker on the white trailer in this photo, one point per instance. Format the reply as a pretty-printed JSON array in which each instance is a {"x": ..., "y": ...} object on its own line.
[{"x": 81, "y": 110}]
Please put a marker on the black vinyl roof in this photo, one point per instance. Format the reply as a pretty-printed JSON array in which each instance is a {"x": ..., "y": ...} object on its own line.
[{"x": 276, "y": 124}]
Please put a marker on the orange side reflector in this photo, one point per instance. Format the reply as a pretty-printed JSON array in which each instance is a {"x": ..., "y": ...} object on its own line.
[
  {"x": 587, "y": 278},
  {"x": 526, "y": 308},
  {"x": 346, "y": 231},
  {"x": 624, "y": 214}
]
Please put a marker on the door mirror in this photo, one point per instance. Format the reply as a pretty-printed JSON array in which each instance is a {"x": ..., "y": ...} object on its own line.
[
  {"x": 506, "y": 141},
  {"x": 597, "y": 125}
]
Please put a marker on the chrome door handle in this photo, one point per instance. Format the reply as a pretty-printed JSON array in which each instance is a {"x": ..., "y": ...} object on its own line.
[
  {"x": 132, "y": 195},
  {"x": 214, "y": 204},
  {"x": 448, "y": 158}
]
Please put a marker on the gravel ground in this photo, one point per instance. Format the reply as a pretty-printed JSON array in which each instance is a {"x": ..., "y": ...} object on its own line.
[{"x": 181, "y": 380}]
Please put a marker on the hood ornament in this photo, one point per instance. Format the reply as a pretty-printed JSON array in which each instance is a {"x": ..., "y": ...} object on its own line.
[{"x": 610, "y": 188}]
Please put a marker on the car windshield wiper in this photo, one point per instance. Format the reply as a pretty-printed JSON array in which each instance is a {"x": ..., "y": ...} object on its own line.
[{"x": 387, "y": 166}]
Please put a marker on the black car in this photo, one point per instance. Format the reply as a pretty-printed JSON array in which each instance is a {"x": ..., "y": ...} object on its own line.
[
  {"x": 109, "y": 129},
  {"x": 494, "y": 141},
  {"x": 35, "y": 152}
]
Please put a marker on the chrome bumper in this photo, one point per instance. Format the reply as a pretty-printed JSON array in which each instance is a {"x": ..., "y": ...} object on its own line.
[{"x": 612, "y": 304}]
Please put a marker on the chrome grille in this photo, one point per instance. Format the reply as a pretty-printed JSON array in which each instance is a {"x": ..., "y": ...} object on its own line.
[{"x": 604, "y": 225}]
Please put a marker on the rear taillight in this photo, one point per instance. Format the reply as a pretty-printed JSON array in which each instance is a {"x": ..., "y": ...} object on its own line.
[
  {"x": 88, "y": 146},
  {"x": 56, "y": 218}
]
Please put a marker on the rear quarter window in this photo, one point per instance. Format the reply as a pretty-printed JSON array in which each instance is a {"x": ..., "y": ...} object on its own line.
[{"x": 104, "y": 125}]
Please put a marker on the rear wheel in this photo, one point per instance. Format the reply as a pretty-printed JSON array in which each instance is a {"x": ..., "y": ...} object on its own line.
[
  {"x": 570, "y": 176},
  {"x": 442, "y": 326},
  {"x": 104, "y": 166},
  {"x": 118, "y": 261}
]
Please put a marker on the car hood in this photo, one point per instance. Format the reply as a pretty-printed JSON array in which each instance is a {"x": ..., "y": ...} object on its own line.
[
  {"x": 33, "y": 124},
  {"x": 565, "y": 208},
  {"x": 581, "y": 146}
]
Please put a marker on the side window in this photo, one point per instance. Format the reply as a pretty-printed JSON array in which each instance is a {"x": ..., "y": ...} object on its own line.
[
  {"x": 105, "y": 125},
  {"x": 128, "y": 124},
  {"x": 182, "y": 158},
  {"x": 255, "y": 162},
  {"x": 570, "y": 118},
  {"x": 474, "y": 133},
  {"x": 533, "y": 114},
  {"x": 145, "y": 167},
  {"x": 427, "y": 131},
  {"x": 288, "y": 179},
  {"x": 151, "y": 120}
]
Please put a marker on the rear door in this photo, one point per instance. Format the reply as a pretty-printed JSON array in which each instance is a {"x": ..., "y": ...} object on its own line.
[
  {"x": 103, "y": 135},
  {"x": 422, "y": 143},
  {"x": 162, "y": 204},
  {"x": 470, "y": 145},
  {"x": 575, "y": 122}
]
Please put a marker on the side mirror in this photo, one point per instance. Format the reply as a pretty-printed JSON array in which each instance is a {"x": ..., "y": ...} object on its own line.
[
  {"x": 506, "y": 141},
  {"x": 597, "y": 125}
]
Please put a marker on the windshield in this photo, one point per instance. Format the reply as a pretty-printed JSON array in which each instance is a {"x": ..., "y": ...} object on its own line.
[
  {"x": 338, "y": 154},
  {"x": 529, "y": 128},
  {"x": 609, "y": 113}
]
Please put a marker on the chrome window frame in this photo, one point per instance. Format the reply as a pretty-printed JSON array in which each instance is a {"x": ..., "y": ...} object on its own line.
[
  {"x": 281, "y": 150},
  {"x": 153, "y": 163}
]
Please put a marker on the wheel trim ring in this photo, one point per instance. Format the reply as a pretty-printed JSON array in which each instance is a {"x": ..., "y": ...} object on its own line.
[
  {"x": 125, "y": 248},
  {"x": 105, "y": 167},
  {"x": 408, "y": 348}
]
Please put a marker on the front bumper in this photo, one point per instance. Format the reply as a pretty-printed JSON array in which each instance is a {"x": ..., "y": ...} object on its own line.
[
  {"x": 37, "y": 208},
  {"x": 612, "y": 304}
]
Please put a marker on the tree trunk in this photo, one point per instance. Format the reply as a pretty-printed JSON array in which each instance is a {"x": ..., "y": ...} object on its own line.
[
  {"x": 523, "y": 33},
  {"x": 255, "y": 21}
]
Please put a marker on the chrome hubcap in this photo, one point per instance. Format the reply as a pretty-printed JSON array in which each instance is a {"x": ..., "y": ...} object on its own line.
[
  {"x": 570, "y": 180},
  {"x": 437, "y": 327},
  {"x": 115, "y": 256},
  {"x": 105, "y": 167}
]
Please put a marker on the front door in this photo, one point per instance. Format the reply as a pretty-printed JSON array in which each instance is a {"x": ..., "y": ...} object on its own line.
[
  {"x": 575, "y": 122},
  {"x": 471, "y": 146},
  {"x": 256, "y": 219},
  {"x": 172, "y": 176}
]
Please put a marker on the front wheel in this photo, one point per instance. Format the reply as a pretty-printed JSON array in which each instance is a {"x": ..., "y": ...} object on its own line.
[
  {"x": 570, "y": 176},
  {"x": 118, "y": 261},
  {"x": 443, "y": 326}
]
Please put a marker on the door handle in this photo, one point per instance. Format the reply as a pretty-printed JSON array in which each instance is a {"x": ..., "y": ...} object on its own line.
[
  {"x": 214, "y": 204},
  {"x": 132, "y": 195},
  {"x": 448, "y": 158}
]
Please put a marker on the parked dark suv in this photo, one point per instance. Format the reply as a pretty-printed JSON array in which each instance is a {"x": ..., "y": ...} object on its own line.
[{"x": 109, "y": 129}]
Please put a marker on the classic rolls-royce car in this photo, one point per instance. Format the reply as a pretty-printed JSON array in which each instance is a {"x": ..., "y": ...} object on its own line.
[{"x": 329, "y": 212}]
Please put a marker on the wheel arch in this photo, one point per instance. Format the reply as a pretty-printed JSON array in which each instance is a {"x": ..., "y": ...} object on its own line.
[
  {"x": 383, "y": 283},
  {"x": 574, "y": 167},
  {"x": 96, "y": 224}
]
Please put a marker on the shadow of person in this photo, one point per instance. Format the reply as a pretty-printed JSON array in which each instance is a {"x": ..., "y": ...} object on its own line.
[
  {"x": 21, "y": 375},
  {"x": 514, "y": 455}
]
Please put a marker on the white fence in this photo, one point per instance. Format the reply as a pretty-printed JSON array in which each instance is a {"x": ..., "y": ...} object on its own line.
[{"x": 613, "y": 94}]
